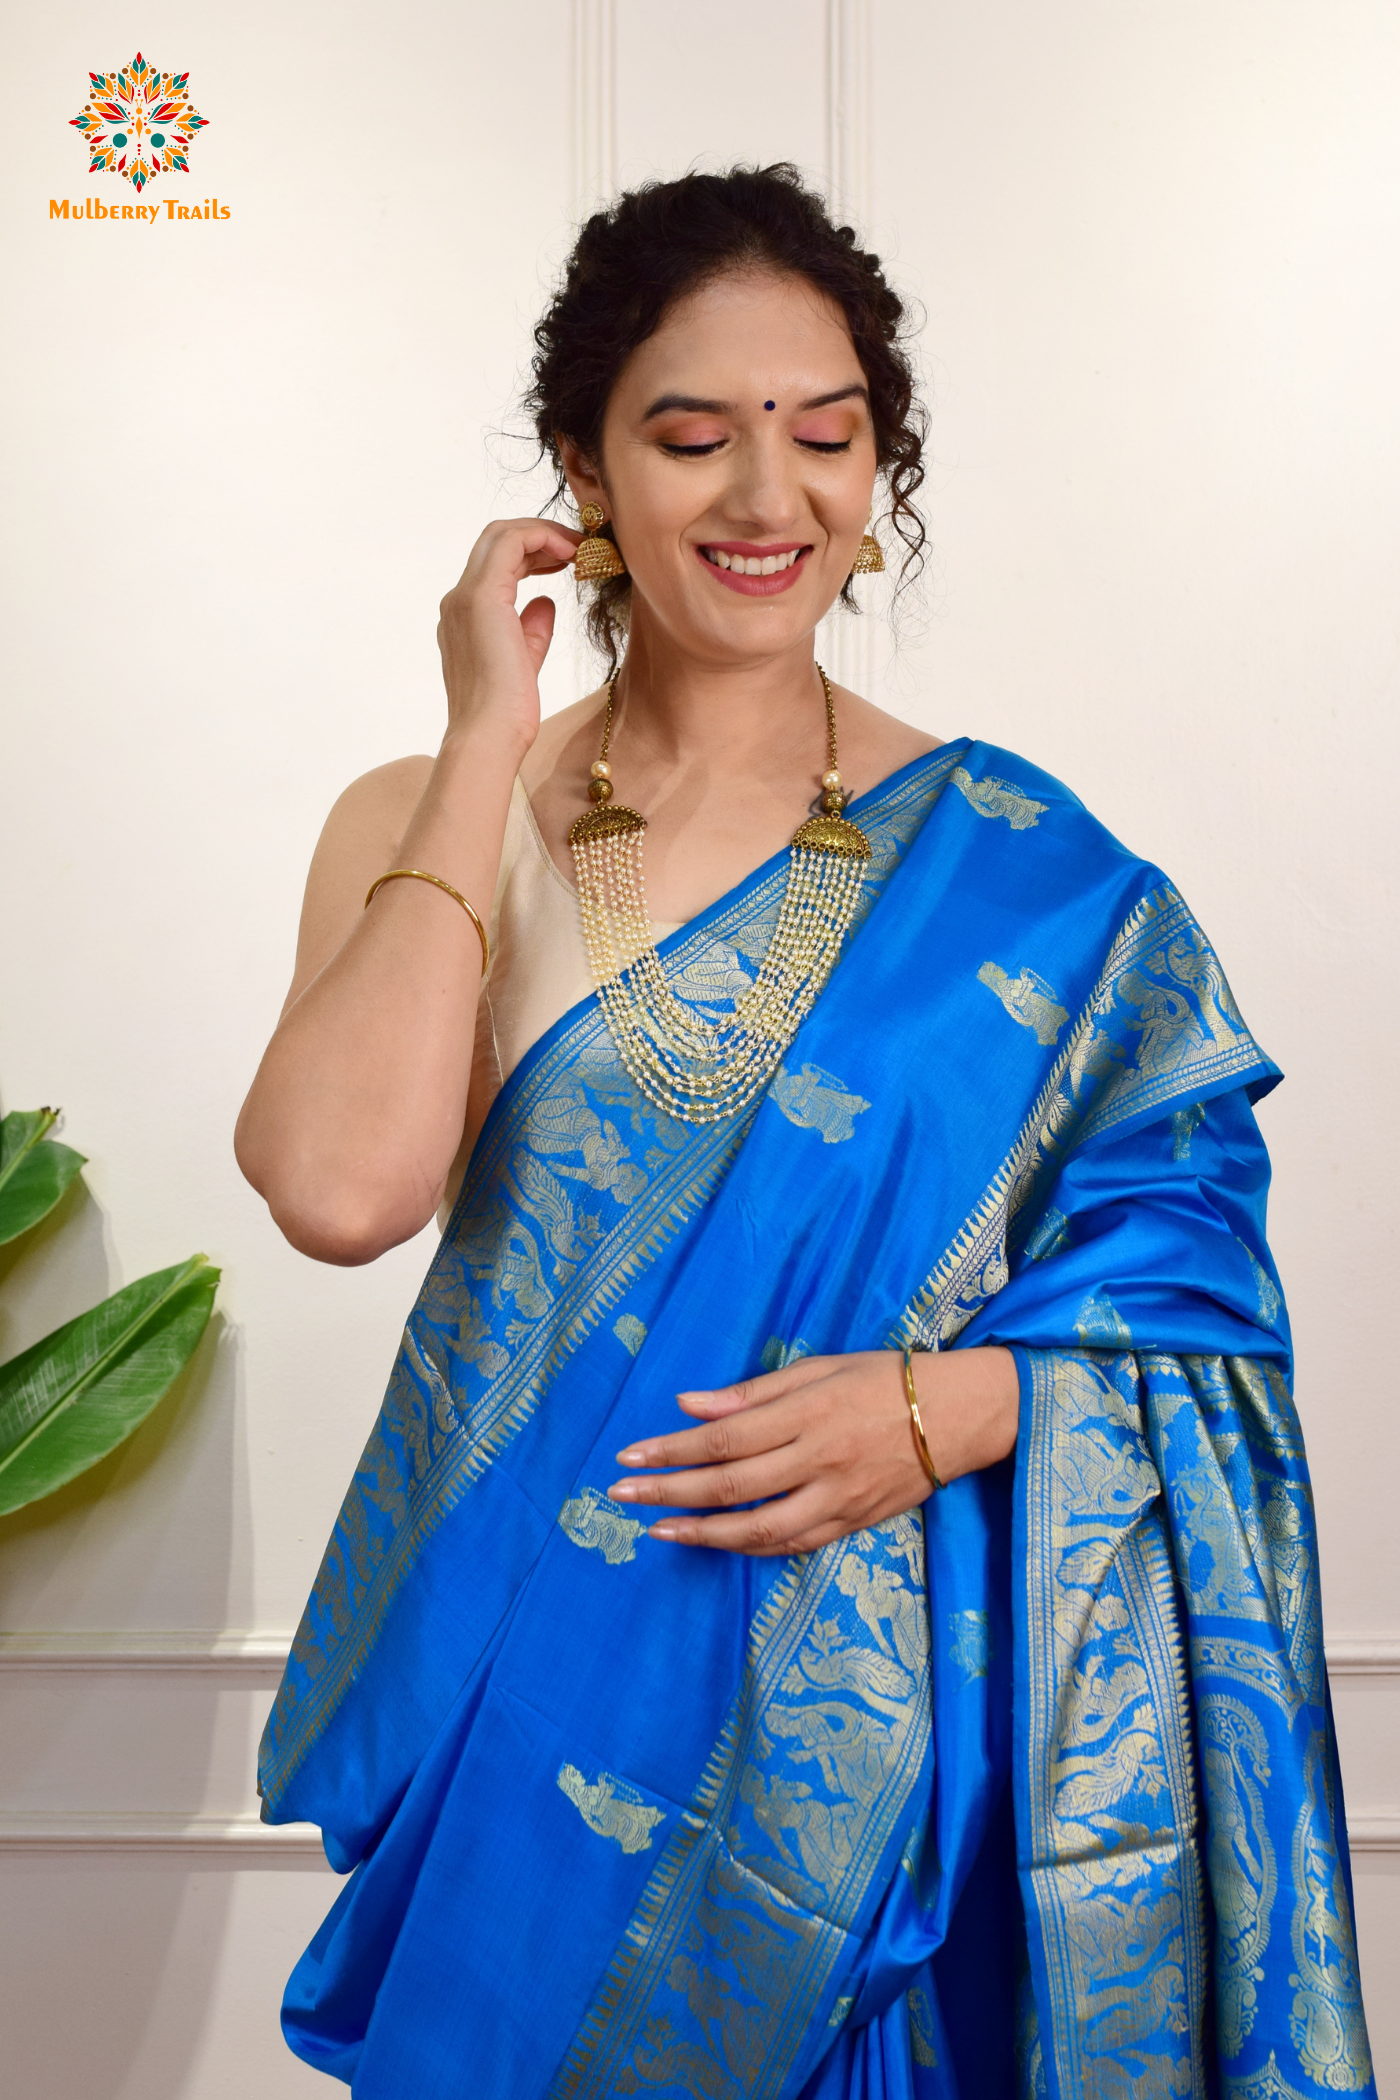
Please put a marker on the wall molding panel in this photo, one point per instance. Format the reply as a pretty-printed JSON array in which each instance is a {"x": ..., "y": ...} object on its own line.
[
  {"x": 594, "y": 104},
  {"x": 242, "y": 1841},
  {"x": 254, "y": 1661},
  {"x": 847, "y": 644},
  {"x": 234, "y": 1841},
  {"x": 1367, "y": 1655},
  {"x": 237, "y": 1658},
  {"x": 250, "y": 1656},
  {"x": 849, "y": 110},
  {"x": 239, "y": 1841},
  {"x": 1379, "y": 1832}
]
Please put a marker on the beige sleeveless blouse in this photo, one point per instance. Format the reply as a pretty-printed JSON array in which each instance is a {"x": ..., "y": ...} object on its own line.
[{"x": 539, "y": 967}]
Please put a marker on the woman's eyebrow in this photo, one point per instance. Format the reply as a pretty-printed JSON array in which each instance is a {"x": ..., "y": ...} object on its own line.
[
  {"x": 845, "y": 393},
  {"x": 666, "y": 402}
]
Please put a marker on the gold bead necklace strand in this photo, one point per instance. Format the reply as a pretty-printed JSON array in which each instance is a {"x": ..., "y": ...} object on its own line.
[{"x": 691, "y": 1066}]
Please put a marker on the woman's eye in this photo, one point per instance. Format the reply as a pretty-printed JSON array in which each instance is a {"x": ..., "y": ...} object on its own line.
[
  {"x": 693, "y": 451},
  {"x": 824, "y": 433}
]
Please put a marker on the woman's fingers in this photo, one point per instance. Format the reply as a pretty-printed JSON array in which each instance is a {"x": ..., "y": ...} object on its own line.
[
  {"x": 757, "y": 1392},
  {"x": 740, "y": 1435},
  {"x": 771, "y": 1472},
  {"x": 546, "y": 561},
  {"x": 537, "y": 622},
  {"x": 794, "y": 1523},
  {"x": 513, "y": 548}
]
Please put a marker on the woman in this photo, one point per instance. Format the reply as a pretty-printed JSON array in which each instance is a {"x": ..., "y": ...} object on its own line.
[{"x": 942, "y": 1711}]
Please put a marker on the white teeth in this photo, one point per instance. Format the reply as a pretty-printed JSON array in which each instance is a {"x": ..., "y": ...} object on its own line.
[{"x": 752, "y": 564}]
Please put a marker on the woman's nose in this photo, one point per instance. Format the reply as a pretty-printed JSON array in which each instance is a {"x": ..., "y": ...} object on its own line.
[{"x": 766, "y": 486}]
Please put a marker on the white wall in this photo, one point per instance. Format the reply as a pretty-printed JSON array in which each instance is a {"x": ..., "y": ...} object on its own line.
[{"x": 1156, "y": 246}]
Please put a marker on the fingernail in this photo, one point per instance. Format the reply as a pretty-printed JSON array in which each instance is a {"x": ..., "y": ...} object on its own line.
[
  {"x": 634, "y": 1455},
  {"x": 623, "y": 1491},
  {"x": 662, "y": 1531}
]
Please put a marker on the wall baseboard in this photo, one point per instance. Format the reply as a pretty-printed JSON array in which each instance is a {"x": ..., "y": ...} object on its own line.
[
  {"x": 232, "y": 1840},
  {"x": 240, "y": 1841},
  {"x": 1376, "y": 1832},
  {"x": 1368, "y": 1655},
  {"x": 253, "y": 1656}
]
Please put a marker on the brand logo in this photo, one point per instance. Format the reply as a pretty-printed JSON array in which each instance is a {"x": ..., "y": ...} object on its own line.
[{"x": 138, "y": 123}]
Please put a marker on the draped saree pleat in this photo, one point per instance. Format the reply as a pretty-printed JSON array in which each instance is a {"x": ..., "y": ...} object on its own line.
[{"x": 1032, "y": 1790}]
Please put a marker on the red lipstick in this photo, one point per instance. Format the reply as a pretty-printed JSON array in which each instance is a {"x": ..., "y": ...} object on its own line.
[{"x": 730, "y": 561}]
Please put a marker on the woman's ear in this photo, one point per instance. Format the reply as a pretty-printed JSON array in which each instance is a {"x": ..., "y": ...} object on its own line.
[{"x": 585, "y": 485}]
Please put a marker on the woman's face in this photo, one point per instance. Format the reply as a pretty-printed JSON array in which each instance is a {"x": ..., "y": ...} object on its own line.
[{"x": 738, "y": 465}]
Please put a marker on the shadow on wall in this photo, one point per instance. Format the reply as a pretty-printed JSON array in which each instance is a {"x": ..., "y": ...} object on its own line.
[
  {"x": 55, "y": 1270},
  {"x": 142, "y": 1543}
]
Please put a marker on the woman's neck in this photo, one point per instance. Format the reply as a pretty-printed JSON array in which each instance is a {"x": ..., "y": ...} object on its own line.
[{"x": 675, "y": 711}]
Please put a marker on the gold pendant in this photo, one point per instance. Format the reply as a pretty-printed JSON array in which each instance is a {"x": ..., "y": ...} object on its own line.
[
  {"x": 826, "y": 834},
  {"x": 611, "y": 820}
]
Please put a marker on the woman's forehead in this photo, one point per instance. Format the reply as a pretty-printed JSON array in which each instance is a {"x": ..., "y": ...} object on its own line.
[{"x": 742, "y": 330}]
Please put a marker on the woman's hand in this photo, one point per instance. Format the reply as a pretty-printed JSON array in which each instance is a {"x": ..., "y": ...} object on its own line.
[
  {"x": 491, "y": 655},
  {"x": 825, "y": 1447}
]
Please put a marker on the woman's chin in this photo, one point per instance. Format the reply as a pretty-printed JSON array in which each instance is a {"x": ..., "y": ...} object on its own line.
[
  {"x": 764, "y": 627},
  {"x": 736, "y": 625}
]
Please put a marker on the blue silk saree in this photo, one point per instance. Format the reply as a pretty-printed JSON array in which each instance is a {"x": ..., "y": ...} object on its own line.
[{"x": 1032, "y": 1791}]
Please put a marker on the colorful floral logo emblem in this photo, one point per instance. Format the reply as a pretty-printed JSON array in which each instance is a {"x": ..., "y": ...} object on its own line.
[{"x": 138, "y": 123}]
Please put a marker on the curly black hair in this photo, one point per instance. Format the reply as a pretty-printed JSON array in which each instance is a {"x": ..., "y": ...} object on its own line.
[{"x": 632, "y": 262}]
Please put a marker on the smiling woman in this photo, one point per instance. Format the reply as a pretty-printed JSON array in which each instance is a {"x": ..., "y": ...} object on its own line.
[{"x": 858, "y": 1096}]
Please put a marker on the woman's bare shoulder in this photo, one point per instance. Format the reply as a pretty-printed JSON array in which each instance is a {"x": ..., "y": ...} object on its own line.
[
  {"x": 359, "y": 840},
  {"x": 378, "y": 804},
  {"x": 874, "y": 743}
]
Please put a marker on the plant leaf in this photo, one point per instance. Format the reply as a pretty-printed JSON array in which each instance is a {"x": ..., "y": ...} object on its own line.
[
  {"x": 34, "y": 1169},
  {"x": 81, "y": 1391}
]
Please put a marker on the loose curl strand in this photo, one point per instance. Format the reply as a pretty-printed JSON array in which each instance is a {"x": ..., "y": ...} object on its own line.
[{"x": 629, "y": 266}]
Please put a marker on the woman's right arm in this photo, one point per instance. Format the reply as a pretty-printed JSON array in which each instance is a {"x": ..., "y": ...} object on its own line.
[{"x": 355, "y": 1116}]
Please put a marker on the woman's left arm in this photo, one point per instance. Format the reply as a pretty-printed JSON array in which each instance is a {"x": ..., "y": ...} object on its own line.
[{"x": 824, "y": 1447}]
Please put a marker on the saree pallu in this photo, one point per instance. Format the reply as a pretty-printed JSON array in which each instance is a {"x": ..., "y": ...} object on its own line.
[{"x": 1032, "y": 1791}]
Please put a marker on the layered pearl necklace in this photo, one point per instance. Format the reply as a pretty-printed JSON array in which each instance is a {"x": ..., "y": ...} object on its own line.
[{"x": 696, "y": 1069}]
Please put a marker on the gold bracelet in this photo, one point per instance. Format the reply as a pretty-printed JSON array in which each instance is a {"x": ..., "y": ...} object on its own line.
[
  {"x": 919, "y": 1437},
  {"x": 420, "y": 875}
]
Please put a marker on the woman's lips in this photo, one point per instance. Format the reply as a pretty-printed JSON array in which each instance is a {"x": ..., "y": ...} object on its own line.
[{"x": 736, "y": 577}]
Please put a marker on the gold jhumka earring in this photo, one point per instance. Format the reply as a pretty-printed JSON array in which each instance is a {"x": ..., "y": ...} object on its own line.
[
  {"x": 597, "y": 558},
  {"x": 870, "y": 555},
  {"x": 699, "y": 1069}
]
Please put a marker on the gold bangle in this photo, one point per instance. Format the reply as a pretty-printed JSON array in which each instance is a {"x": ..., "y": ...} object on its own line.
[
  {"x": 420, "y": 875},
  {"x": 920, "y": 1439}
]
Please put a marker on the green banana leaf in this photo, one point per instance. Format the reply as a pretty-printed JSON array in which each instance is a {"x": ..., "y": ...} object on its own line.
[
  {"x": 77, "y": 1394},
  {"x": 34, "y": 1169}
]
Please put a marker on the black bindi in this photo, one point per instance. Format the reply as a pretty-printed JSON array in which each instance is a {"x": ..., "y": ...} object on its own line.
[{"x": 770, "y": 404}]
